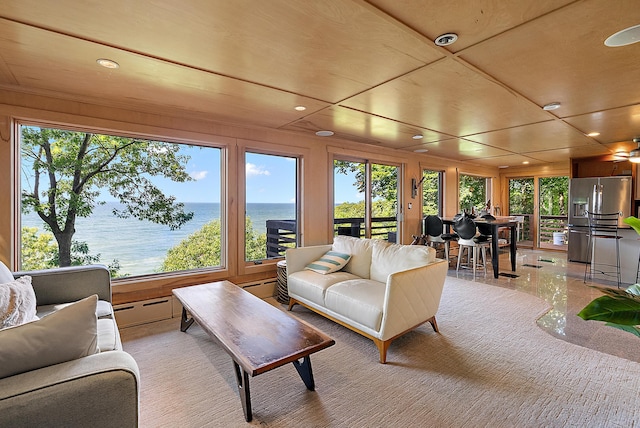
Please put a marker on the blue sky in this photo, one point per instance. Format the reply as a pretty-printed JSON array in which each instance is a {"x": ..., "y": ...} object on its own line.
[{"x": 269, "y": 179}]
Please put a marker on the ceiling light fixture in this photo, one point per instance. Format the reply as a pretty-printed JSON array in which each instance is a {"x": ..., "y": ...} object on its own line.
[
  {"x": 421, "y": 150},
  {"x": 324, "y": 133},
  {"x": 418, "y": 137},
  {"x": 300, "y": 108},
  {"x": 593, "y": 134},
  {"x": 551, "y": 106},
  {"x": 107, "y": 63},
  {"x": 624, "y": 37},
  {"x": 634, "y": 155},
  {"x": 446, "y": 39}
]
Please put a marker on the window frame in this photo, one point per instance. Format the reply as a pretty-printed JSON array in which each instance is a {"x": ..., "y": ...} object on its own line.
[
  {"x": 266, "y": 265},
  {"x": 184, "y": 138},
  {"x": 367, "y": 195}
]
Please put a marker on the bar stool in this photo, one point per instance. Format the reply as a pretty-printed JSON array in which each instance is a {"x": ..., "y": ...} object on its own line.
[
  {"x": 469, "y": 239},
  {"x": 433, "y": 228},
  {"x": 602, "y": 226}
]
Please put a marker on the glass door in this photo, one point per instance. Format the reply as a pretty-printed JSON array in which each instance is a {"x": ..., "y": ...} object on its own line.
[
  {"x": 552, "y": 219},
  {"x": 521, "y": 205},
  {"x": 365, "y": 199}
]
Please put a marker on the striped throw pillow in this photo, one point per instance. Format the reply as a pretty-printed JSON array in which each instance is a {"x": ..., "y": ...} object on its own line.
[{"x": 332, "y": 261}]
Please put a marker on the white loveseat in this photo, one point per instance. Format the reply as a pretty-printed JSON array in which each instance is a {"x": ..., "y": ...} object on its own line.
[{"x": 384, "y": 291}]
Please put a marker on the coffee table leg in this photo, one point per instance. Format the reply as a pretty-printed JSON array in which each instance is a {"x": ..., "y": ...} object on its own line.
[
  {"x": 185, "y": 322},
  {"x": 243, "y": 387},
  {"x": 305, "y": 372}
]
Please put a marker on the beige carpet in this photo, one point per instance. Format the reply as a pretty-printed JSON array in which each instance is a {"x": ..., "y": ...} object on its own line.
[{"x": 489, "y": 366}]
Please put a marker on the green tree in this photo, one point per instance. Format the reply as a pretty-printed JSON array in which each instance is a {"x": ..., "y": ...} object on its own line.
[
  {"x": 553, "y": 195},
  {"x": 203, "y": 248},
  {"x": 65, "y": 172},
  {"x": 384, "y": 178},
  {"x": 38, "y": 250},
  {"x": 521, "y": 193},
  {"x": 473, "y": 192},
  {"x": 430, "y": 192}
]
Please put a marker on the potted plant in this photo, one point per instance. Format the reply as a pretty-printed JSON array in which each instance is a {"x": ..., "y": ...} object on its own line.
[{"x": 618, "y": 308}]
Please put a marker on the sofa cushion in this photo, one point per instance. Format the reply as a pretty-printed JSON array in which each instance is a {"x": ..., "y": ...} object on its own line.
[
  {"x": 331, "y": 261},
  {"x": 312, "y": 286},
  {"x": 103, "y": 309},
  {"x": 65, "y": 335},
  {"x": 396, "y": 257},
  {"x": 360, "y": 300},
  {"x": 360, "y": 250},
  {"x": 17, "y": 302}
]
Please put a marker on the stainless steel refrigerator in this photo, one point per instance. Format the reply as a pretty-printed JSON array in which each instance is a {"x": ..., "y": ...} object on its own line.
[{"x": 598, "y": 195}]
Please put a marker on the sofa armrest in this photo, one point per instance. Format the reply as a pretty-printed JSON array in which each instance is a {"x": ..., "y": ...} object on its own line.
[
  {"x": 412, "y": 297},
  {"x": 97, "y": 390},
  {"x": 298, "y": 258},
  {"x": 68, "y": 284}
]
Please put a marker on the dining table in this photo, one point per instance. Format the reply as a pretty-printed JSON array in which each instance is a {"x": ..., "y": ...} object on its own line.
[{"x": 495, "y": 226}]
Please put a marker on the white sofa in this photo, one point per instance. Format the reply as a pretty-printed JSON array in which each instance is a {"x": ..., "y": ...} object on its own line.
[{"x": 384, "y": 291}]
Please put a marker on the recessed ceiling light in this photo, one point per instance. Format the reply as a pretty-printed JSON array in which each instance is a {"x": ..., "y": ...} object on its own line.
[
  {"x": 624, "y": 37},
  {"x": 417, "y": 137},
  {"x": 525, "y": 162},
  {"x": 300, "y": 108},
  {"x": 551, "y": 106},
  {"x": 593, "y": 134},
  {"x": 324, "y": 133},
  {"x": 421, "y": 150},
  {"x": 107, "y": 63},
  {"x": 503, "y": 166},
  {"x": 446, "y": 39}
]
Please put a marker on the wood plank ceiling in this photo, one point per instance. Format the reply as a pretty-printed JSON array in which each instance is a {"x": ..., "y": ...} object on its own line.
[{"x": 366, "y": 70}]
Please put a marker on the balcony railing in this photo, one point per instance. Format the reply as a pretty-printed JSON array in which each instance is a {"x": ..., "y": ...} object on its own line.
[
  {"x": 549, "y": 224},
  {"x": 281, "y": 234}
]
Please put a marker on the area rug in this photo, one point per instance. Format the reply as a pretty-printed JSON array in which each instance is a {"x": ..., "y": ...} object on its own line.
[{"x": 490, "y": 365}]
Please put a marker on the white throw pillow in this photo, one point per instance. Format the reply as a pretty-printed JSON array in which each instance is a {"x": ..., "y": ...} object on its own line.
[
  {"x": 17, "y": 302},
  {"x": 65, "y": 335},
  {"x": 360, "y": 250},
  {"x": 5, "y": 274},
  {"x": 331, "y": 261}
]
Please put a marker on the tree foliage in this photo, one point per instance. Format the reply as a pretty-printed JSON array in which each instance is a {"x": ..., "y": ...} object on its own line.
[
  {"x": 473, "y": 192},
  {"x": 554, "y": 196},
  {"x": 65, "y": 172},
  {"x": 521, "y": 192},
  {"x": 430, "y": 192},
  {"x": 384, "y": 178},
  {"x": 40, "y": 251},
  {"x": 203, "y": 248}
]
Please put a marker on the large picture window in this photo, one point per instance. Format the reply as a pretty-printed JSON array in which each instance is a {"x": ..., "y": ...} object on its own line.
[
  {"x": 139, "y": 206},
  {"x": 271, "y": 223}
]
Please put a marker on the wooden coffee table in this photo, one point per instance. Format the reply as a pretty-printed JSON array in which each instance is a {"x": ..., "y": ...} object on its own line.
[{"x": 258, "y": 336}]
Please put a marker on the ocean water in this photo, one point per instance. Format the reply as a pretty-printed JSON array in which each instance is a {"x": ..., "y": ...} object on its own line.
[{"x": 141, "y": 246}]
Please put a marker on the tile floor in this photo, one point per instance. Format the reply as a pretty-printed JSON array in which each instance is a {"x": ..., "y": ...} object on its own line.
[{"x": 548, "y": 275}]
